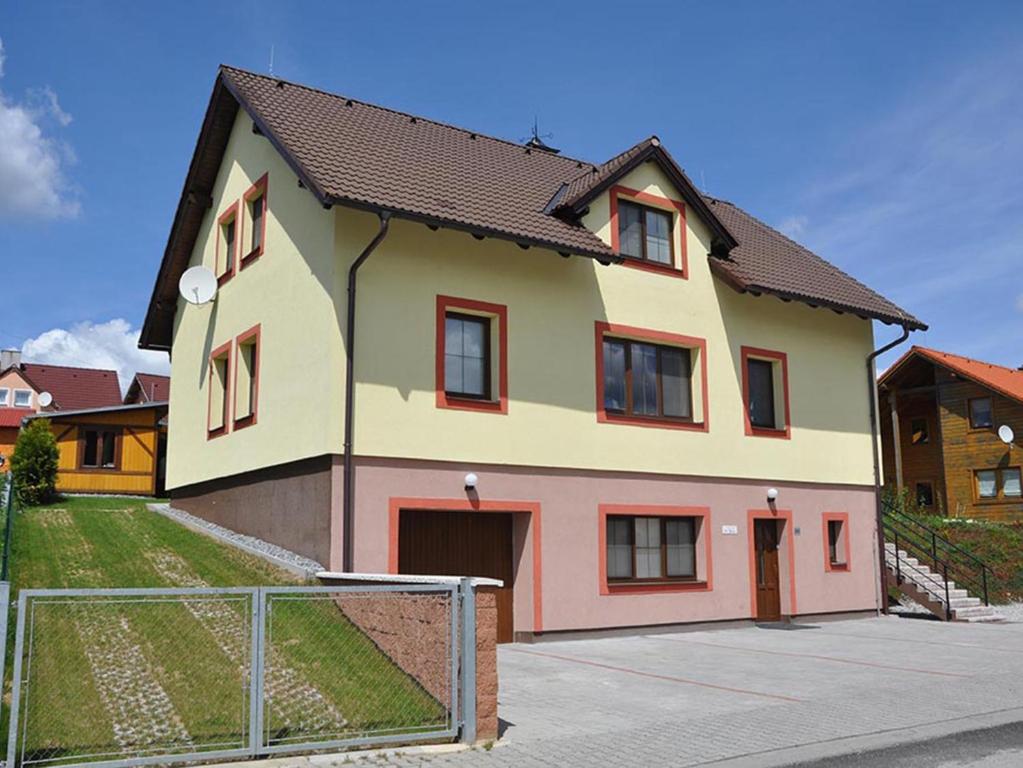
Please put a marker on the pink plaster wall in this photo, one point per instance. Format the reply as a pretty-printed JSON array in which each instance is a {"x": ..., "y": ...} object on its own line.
[{"x": 569, "y": 503}]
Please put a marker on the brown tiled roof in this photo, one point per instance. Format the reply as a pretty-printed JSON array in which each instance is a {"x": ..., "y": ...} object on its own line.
[
  {"x": 360, "y": 153},
  {"x": 766, "y": 261},
  {"x": 74, "y": 388},
  {"x": 351, "y": 153},
  {"x": 148, "y": 387}
]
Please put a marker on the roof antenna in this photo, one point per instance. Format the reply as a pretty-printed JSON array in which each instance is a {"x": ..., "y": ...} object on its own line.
[
  {"x": 271, "y": 59},
  {"x": 536, "y": 140}
]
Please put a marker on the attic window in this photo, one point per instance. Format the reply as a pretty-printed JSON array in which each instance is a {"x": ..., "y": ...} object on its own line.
[{"x": 644, "y": 233}]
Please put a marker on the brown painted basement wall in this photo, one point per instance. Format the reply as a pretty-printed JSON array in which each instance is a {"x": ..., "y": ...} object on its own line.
[{"x": 287, "y": 505}]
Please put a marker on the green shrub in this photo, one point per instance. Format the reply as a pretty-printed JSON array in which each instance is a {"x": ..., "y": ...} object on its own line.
[{"x": 35, "y": 463}]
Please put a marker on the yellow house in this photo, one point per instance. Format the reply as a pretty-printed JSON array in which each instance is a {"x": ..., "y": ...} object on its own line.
[
  {"x": 636, "y": 404},
  {"x": 112, "y": 450}
]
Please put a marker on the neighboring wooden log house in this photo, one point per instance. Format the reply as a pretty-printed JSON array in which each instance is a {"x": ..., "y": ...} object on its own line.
[{"x": 940, "y": 421}]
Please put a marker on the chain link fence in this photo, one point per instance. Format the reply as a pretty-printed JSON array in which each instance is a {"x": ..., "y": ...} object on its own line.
[{"x": 123, "y": 677}]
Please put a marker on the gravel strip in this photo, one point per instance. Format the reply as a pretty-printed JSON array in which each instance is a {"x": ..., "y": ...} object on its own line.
[{"x": 282, "y": 558}]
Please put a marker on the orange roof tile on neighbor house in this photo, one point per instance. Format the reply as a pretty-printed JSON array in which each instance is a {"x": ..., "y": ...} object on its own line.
[
  {"x": 1007, "y": 381},
  {"x": 74, "y": 388}
]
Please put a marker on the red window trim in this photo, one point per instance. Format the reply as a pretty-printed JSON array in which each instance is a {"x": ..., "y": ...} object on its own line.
[
  {"x": 260, "y": 187},
  {"x": 765, "y": 354},
  {"x": 231, "y": 213},
  {"x": 216, "y": 354},
  {"x": 603, "y": 329},
  {"x": 705, "y": 584},
  {"x": 680, "y": 270},
  {"x": 843, "y": 567},
  {"x": 499, "y": 312},
  {"x": 241, "y": 339}
]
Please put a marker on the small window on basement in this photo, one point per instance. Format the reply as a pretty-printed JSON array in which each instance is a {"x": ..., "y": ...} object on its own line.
[
  {"x": 836, "y": 553},
  {"x": 645, "y": 233},
  {"x": 919, "y": 432},
  {"x": 981, "y": 415},
  {"x": 925, "y": 494}
]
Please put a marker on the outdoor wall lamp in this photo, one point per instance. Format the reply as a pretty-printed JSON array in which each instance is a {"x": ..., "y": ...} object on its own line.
[
  {"x": 772, "y": 495},
  {"x": 470, "y": 481}
]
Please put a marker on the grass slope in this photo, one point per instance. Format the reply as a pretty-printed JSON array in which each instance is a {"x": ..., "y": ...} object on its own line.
[{"x": 188, "y": 681}]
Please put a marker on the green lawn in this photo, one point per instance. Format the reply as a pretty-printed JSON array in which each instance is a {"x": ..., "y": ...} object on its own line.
[{"x": 127, "y": 676}]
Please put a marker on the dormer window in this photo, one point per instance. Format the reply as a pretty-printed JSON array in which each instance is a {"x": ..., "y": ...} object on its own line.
[{"x": 645, "y": 233}]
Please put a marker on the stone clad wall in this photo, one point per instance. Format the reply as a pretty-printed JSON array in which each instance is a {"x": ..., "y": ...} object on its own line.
[{"x": 413, "y": 630}]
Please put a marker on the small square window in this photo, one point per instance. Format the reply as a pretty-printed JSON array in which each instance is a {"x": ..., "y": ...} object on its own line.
[
  {"x": 22, "y": 398},
  {"x": 981, "y": 415},
  {"x": 99, "y": 448},
  {"x": 925, "y": 494},
  {"x": 919, "y": 433}
]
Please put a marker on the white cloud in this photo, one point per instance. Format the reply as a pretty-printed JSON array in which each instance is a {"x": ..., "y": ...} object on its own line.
[
  {"x": 794, "y": 226},
  {"x": 33, "y": 180},
  {"x": 113, "y": 344}
]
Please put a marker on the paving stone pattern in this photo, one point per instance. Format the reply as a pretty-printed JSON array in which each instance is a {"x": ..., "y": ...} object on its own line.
[{"x": 644, "y": 705}]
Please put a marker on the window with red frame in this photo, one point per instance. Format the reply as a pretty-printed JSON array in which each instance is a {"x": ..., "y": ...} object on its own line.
[
  {"x": 219, "y": 379},
  {"x": 643, "y": 379},
  {"x": 645, "y": 233},
  {"x": 650, "y": 548}
]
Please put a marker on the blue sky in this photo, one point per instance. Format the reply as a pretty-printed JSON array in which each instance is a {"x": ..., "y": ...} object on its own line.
[{"x": 886, "y": 136}]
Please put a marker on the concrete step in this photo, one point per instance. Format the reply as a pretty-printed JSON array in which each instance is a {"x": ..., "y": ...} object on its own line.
[
  {"x": 993, "y": 618},
  {"x": 976, "y": 611},
  {"x": 958, "y": 603}
]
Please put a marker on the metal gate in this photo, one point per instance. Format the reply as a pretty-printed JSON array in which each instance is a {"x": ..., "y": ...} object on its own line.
[{"x": 120, "y": 677}]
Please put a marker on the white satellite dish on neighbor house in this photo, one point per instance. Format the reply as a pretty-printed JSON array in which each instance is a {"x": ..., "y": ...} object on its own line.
[
  {"x": 1005, "y": 434},
  {"x": 45, "y": 399},
  {"x": 198, "y": 285}
]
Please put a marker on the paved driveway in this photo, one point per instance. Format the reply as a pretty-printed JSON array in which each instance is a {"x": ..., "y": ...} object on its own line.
[{"x": 757, "y": 696}]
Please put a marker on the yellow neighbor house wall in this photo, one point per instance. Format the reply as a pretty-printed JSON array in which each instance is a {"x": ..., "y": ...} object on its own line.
[
  {"x": 296, "y": 291},
  {"x": 289, "y": 292}
]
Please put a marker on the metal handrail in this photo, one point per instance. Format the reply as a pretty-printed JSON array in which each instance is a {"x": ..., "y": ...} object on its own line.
[
  {"x": 923, "y": 542},
  {"x": 955, "y": 547}
]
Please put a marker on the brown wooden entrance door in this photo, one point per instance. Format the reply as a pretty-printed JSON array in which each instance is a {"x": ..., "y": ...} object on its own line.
[
  {"x": 461, "y": 544},
  {"x": 767, "y": 572}
]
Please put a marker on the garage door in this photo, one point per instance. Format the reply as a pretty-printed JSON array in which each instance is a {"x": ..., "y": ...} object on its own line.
[{"x": 461, "y": 544}]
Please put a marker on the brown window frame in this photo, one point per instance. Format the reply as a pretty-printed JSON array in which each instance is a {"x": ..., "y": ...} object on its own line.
[
  {"x": 250, "y": 338},
  {"x": 232, "y": 215},
  {"x": 118, "y": 433},
  {"x": 223, "y": 352},
  {"x": 999, "y": 497},
  {"x": 258, "y": 191},
  {"x": 488, "y": 391},
  {"x": 835, "y": 526},
  {"x": 694, "y": 520},
  {"x": 628, "y": 410},
  {"x": 642, "y": 221},
  {"x": 926, "y": 431},
  {"x": 969, "y": 412}
]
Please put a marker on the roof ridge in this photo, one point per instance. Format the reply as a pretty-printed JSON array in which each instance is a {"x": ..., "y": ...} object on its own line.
[
  {"x": 71, "y": 367},
  {"x": 401, "y": 113}
]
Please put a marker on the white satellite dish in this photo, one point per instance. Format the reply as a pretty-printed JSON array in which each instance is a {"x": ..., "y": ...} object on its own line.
[
  {"x": 45, "y": 399},
  {"x": 198, "y": 285},
  {"x": 1005, "y": 434}
]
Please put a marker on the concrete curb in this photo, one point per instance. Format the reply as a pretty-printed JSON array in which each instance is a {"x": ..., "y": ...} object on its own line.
[
  {"x": 333, "y": 759},
  {"x": 238, "y": 541},
  {"x": 793, "y": 757}
]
